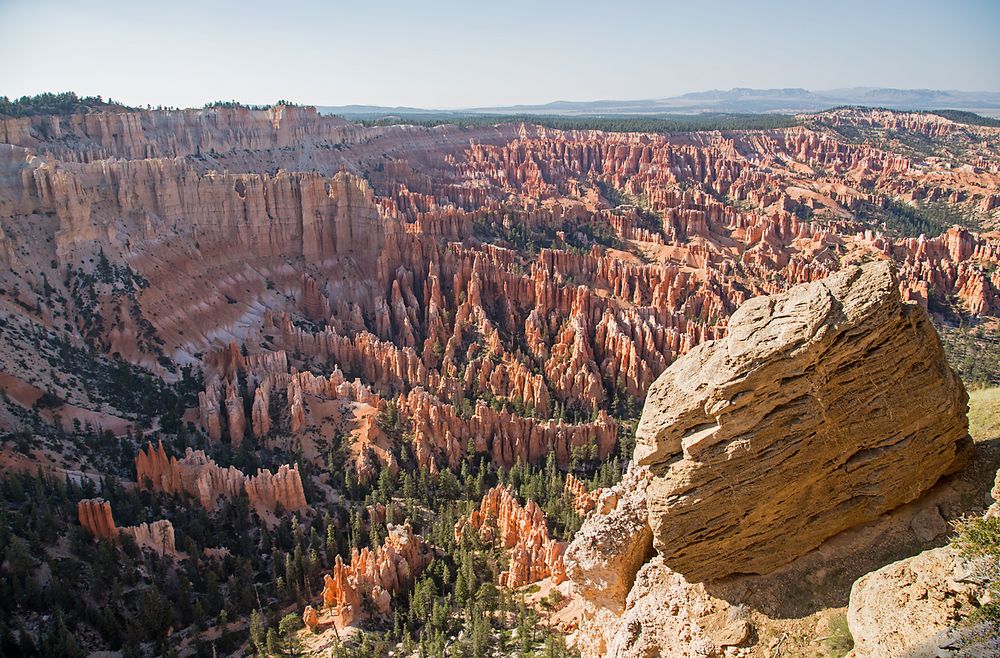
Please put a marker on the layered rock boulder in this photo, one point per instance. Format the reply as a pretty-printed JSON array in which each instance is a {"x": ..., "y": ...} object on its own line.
[{"x": 823, "y": 408}]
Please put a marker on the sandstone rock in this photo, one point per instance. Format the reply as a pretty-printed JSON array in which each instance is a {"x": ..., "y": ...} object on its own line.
[
  {"x": 236, "y": 416},
  {"x": 157, "y": 536},
  {"x": 95, "y": 515},
  {"x": 833, "y": 398},
  {"x": 310, "y": 618},
  {"x": 994, "y": 509},
  {"x": 613, "y": 543},
  {"x": 268, "y": 491},
  {"x": 198, "y": 476},
  {"x": 928, "y": 524},
  {"x": 583, "y": 501},
  {"x": 503, "y": 521},
  {"x": 665, "y": 616},
  {"x": 908, "y": 608},
  {"x": 375, "y": 576}
]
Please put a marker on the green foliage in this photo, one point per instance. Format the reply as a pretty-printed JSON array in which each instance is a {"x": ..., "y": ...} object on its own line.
[
  {"x": 63, "y": 103},
  {"x": 968, "y": 118},
  {"x": 973, "y": 350},
  {"x": 839, "y": 640},
  {"x": 902, "y": 220},
  {"x": 648, "y": 218},
  {"x": 580, "y": 236},
  {"x": 236, "y": 105},
  {"x": 984, "y": 413}
]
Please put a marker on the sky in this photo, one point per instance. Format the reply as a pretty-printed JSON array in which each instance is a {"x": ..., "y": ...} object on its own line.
[{"x": 454, "y": 54}]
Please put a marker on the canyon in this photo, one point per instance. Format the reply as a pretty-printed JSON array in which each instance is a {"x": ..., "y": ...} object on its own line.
[{"x": 718, "y": 350}]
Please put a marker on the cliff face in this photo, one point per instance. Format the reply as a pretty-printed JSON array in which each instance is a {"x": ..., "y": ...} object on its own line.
[
  {"x": 113, "y": 202},
  {"x": 140, "y": 135}
]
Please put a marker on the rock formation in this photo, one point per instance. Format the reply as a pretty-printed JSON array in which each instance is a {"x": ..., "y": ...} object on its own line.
[
  {"x": 513, "y": 291},
  {"x": 502, "y": 521},
  {"x": 198, "y": 476},
  {"x": 910, "y": 608},
  {"x": 834, "y": 387},
  {"x": 310, "y": 618},
  {"x": 820, "y": 389},
  {"x": 273, "y": 490},
  {"x": 608, "y": 550},
  {"x": 380, "y": 261},
  {"x": 583, "y": 501},
  {"x": 920, "y": 606},
  {"x": 157, "y": 536},
  {"x": 96, "y": 517},
  {"x": 374, "y": 576}
]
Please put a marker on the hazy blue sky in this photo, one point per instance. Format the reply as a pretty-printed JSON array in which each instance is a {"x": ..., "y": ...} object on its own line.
[{"x": 459, "y": 54}]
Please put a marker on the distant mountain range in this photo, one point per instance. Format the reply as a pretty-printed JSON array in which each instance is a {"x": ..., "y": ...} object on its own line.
[{"x": 738, "y": 100}]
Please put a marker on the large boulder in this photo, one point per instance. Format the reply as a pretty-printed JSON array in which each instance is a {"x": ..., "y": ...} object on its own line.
[{"x": 823, "y": 408}]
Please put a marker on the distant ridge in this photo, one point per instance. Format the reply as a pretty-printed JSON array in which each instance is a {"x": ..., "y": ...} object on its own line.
[{"x": 737, "y": 100}]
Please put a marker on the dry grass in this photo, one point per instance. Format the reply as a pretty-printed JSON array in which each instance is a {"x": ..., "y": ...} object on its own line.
[{"x": 984, "y": 413}]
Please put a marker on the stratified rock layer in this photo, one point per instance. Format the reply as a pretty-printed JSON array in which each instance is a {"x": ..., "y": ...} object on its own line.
[{"x": 823, "y": 408}]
